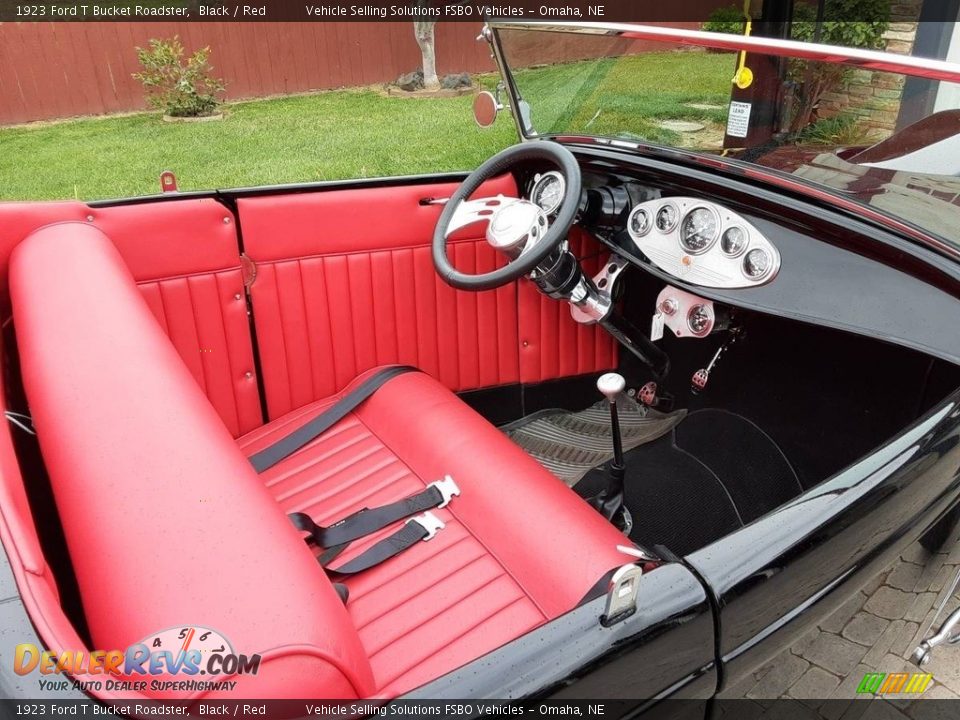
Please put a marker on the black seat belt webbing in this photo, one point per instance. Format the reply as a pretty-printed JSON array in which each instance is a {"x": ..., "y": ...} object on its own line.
[
  {"x": 286, "y": 446},
  {"x": 413, "y": 531},
  {"x": 369, "y": 520}
]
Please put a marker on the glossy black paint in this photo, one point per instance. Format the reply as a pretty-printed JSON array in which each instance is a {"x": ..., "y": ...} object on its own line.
[
  {"x": 774, "y": 579},
  {"x": 831, "y": 268},
  {"x": 665, "y": 648}
]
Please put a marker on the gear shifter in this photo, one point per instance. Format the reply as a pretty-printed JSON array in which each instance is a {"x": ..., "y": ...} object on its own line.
[{"x": 609, "y": 501}]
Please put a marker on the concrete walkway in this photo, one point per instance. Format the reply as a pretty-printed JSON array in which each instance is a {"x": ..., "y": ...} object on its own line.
[{"x": 876, "y": 631}]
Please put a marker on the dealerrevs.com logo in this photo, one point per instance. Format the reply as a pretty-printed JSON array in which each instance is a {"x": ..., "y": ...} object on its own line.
[{"x": 180, "y": 655}]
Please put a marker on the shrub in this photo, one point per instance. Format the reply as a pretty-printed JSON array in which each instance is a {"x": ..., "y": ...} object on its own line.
[
  {"x": 865, "y": 32},
  {"x": 811, "y": 81},
  {"x": 725, "y": 20},
  {"x": 837, "y": 131},
  {"x": 177, "y": 87}
]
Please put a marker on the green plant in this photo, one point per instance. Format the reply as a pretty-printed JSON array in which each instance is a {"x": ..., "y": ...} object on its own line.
[
  {"x": 865, "y": 32},
  {"x": 811, "y": 81},
  {"x": 179, "y": 88},
  {"x": 728, "y": 19},
  {"x": 837, "y": 131}
]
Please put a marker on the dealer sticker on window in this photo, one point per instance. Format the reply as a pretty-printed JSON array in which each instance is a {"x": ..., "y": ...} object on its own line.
[{"x": 738, "y": 119}]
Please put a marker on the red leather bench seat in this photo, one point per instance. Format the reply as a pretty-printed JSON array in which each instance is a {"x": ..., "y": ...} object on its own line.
[
  {"x": 167, "y": 523},
  {"x": 519, "y": 547}
]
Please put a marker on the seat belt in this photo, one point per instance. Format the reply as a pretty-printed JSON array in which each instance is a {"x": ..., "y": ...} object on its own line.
[
  {"x": 286, "y": 446},
  {"x": 367, "y": 521},
  {"x": 423, "y": 527}
]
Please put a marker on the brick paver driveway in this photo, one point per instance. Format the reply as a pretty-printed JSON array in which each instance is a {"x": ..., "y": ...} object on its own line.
[{"x": 876, "y": 631}]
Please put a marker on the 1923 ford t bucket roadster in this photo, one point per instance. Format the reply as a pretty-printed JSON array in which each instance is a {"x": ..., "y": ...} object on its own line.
[{"x": 227, "y": 386}]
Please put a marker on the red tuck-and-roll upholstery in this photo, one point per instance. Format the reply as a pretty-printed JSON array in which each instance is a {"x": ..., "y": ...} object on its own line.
[
  {"x": 552, "y": 344},
  {"x": 167, "y": 523},
  {"x": 519, "y": 548},
  {"x": 183, "y": 254},
  {"x": 345, "y": 282},
  {"x": 165, "y": 520}
]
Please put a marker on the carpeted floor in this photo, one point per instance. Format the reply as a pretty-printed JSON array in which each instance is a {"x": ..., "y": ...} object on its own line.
[{"x": 690, "y": 479}]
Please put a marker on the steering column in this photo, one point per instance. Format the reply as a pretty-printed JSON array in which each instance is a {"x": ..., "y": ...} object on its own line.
[{"x": 521, "y": 231}]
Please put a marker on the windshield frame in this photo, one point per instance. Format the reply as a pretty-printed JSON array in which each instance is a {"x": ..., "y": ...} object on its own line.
[{"x": 873, "y": 60}]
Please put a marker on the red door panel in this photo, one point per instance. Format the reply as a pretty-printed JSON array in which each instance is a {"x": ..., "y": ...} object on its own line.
[
  {"x": 345, "y": 282},
  {"x": 552, "y": 344},
  {"x": 184, "y": 256}
]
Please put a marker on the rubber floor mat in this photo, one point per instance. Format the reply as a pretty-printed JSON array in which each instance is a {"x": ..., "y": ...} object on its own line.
[{"x": 569, "y": 444}]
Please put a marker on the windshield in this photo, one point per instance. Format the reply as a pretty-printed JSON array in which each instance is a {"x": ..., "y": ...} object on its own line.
[{"x": 882, "y": 138}]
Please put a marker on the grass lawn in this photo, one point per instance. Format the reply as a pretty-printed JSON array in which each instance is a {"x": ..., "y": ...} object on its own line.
[{"x": 350, "y": 133}]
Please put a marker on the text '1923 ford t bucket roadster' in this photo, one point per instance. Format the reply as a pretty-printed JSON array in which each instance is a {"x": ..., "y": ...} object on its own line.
[{"x": 604, "y": 418}]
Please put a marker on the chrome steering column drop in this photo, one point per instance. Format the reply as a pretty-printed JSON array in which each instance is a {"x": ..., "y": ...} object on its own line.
[{"x": 592, "y": 302}]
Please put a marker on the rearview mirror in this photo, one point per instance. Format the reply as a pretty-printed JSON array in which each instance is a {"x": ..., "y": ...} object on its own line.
[{"x": 485, "y": 108}]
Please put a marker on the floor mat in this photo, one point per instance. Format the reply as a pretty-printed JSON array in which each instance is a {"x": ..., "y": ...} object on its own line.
[
  {"x": 674, "y": 498},
  {"x": 570, "y": 444}
]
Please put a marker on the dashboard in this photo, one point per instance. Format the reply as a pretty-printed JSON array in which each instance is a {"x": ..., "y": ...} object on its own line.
[
  {"x": 703, "y": 243},
  {"x": 736, "y": 247},
  {"x": 696, "y": 240}
]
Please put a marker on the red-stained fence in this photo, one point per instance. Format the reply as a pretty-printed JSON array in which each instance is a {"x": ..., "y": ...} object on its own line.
[{"x": 57, "y": 70}]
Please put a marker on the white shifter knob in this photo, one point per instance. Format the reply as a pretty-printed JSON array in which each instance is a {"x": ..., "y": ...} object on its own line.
[{"x": 611, "y": 385}]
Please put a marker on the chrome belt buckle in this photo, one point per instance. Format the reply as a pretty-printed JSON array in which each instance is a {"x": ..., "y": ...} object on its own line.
[
  {"x": 429, "y": 522},
  {"x": 448, "y": 489}
]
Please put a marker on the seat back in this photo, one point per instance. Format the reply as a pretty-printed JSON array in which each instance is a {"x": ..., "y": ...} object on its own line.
[
  {"x": 165, "y": 520},
  {"x": 184, "y": 257}
]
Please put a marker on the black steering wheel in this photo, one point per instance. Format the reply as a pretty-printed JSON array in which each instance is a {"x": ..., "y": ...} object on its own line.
[{"x": 517, "y": 227}]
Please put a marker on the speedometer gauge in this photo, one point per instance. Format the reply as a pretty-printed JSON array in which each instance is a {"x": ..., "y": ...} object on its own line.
[
  {"x": 699, "y": 230},
  {"x": 548, "y": 191}
]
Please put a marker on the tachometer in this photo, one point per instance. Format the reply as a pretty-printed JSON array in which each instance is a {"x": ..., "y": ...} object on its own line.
[
  {"x": 548, "y": 191},
  {"x": 699, "y": 230}
]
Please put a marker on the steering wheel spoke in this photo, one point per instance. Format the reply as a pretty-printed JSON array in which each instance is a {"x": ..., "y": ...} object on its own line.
[
  {"x": 469, "y": 212},
  {"x": 517, "y": 228}
]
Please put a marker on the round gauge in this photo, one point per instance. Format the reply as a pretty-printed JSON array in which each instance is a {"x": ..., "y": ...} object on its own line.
[
  {"x": 757, "y": 264},
  {"x": 640, "y": 222},
  {"x": 699, "y": 230},
  {"x": 667, "y": 217},
  {"x": 548, "y": 191},
  {"x": 734, "y": 241},
  {"x": 699, "y": 320}
]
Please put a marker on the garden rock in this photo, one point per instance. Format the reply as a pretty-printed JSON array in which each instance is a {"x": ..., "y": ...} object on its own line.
[
  {"x": 456, "y": 80},
  {"x": 411, "y": 81}
]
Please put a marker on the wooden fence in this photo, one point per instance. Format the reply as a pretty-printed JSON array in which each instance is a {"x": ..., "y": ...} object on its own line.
[{"x": 57, "y": 70}]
